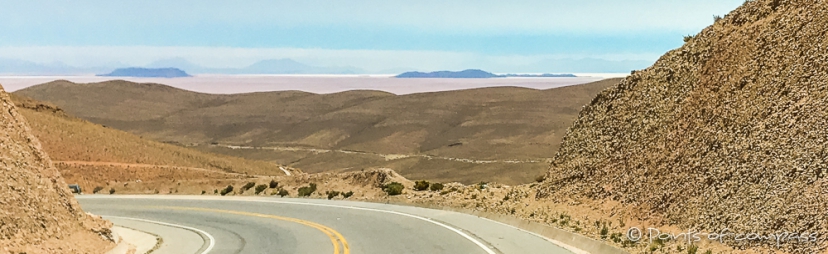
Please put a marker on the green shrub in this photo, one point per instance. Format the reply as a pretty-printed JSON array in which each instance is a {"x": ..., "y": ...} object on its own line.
[
  {"x": 332, "y": 194},
  {"x": 616, "y": 237},
  {"x": 260, "y": 188},
  {"x": 111, "y": 191},
  {"x": 273, "y": 184},
  {"x": 97, "y": 189},
  {"x": 215, "y": 191},
  {"x": 436, "y": 187},
  {"x": 248, "y": 186},
  {"x": 604, "y": 232},
  {"x": 307, "y": 190},
  {"x": 226, "y": 190},
  {"x": 482, "y": 185},
  {"x": 203, "y": 192},
  {"x": 347, "y": 194},
  {"x": 283, "y": 193},
  {"x": 692, "y": 249},
  {"x": 393, "y": 188},
  {"x": 421, "y": 185}
]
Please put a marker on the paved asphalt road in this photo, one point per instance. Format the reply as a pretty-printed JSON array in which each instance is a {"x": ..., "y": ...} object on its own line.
[{"x": 283, "y": 225}]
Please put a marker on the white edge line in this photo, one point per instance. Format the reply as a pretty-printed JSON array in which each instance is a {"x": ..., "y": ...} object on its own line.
[
  {"x": 209, "y": 247},
  {"x": 553, "y": 241}
]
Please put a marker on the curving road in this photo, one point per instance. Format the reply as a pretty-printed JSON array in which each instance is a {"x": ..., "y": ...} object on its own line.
[{"x": 209, "y": 224}]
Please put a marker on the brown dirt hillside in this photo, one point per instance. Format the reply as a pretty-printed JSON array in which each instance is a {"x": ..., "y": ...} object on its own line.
[
  {"x": 359, "y": 129},
  {"x": 69, "y": 139},
  {"x": 39, "y": 214},
  {"x": 728, "y": 131}
]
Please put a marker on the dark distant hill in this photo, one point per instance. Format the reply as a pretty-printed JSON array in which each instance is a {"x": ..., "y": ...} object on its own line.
[
  {"x": 472, "y": 73},
  {"x": 448, "y": 74},
  {"x": 147, "y": 73}
]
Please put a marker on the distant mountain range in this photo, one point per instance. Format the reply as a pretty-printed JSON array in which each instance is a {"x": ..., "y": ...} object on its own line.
[
  {"x": 473, "y": 73},
  {"x": 21, "y": 67},
  {"x": 272, "y": 66},
  {"x": 289, "y": 66},
  {"x": 147, "y": 73}
]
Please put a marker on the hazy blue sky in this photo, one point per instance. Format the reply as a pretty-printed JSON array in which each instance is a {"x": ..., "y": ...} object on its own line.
[{"x": 423, "y": 34}]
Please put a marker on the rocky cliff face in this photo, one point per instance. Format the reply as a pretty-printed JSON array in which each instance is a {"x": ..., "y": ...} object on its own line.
[
  {"x": 38, "y": 213},
  {"x": 728, "y": 131}
]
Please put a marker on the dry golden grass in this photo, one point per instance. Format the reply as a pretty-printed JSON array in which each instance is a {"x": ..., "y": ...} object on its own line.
[{"x": 66, "y": 138}]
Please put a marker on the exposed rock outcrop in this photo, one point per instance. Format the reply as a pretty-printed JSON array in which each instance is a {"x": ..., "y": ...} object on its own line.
[
  {"x": 39, "y": 214},
  {"x": 728, "y": 131}
]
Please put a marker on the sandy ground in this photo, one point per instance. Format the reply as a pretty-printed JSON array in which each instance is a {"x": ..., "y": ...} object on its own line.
[{"x": 227, "y": 84}]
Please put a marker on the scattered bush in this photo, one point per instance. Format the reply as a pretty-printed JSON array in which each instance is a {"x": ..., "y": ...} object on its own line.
[
  {"x": 616, "y": 237},
  {"x": 226, "y": 190},
  {"x": 692, "y": 249},
  {"x": 332, "y": 194},
  {"x": 604, "y": 232},
  {"x": 215, "y": 191},
  {"x": 307, "y": 190},
  {"x": 260, "y": 188},
  {"x": 436, "y": 187},
  {"x": 421, "y": 185},
  {"x": 203, "y": 192},
  {"x": 247, "y": 186},
  {"x": 347, "y": 194},
  {"x": 688, "y": 38},
  {"x": 273, "y": 184},
  {"x": 97, "y": 189},
  {"x": 393, "y": 188},
  {"x": 111, "y": 191},
  {"x": 482, "y": 185},
  {"x": 716, "y": 18},
  {"x": 283, "y": 193}
]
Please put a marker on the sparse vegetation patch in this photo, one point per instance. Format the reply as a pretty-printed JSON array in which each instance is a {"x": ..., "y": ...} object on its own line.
[
  {"x": 421, "y": 185},
  {"x": 307, "y": 190},
  {"x": 227, "y": 190},
  {"x": 393, "y": 189}
]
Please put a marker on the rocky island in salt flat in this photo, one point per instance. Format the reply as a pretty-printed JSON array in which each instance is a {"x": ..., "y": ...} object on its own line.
[{"x": 147, "y": 73}]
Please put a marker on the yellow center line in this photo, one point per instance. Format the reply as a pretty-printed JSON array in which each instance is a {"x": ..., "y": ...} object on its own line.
[{"x": 336, "y": 237}]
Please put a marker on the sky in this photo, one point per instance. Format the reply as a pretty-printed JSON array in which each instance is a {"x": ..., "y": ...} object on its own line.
[{"x": 373, "y": 35}]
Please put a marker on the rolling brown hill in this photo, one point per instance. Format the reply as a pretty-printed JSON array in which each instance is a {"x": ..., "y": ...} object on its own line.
[
  {"x": 726, "y": 132},
  {"x": 500, "y": 134},
  {"x": 39, "y": 214},
  {"x": 91, "y": 155}
]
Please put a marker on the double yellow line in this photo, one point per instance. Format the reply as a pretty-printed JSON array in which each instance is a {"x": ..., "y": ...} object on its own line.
[{"x": 340, "y": 245}]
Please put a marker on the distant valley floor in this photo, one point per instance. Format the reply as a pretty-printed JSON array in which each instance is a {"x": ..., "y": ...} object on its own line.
[{"x": 499, "y": 134}]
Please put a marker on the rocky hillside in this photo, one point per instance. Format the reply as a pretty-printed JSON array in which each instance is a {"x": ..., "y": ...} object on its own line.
[
  {"x": 728, "y": 131},
  {"x": 39, "y": 215}
]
